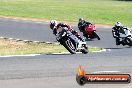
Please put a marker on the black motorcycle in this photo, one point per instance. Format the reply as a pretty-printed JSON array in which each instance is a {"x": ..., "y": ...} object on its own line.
[{"x": 69, "y": 41}]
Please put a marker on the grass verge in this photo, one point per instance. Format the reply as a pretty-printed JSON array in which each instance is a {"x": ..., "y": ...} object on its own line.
[
  {"x": 96, "y": 11},
  {"x": 11, "y": 47}
]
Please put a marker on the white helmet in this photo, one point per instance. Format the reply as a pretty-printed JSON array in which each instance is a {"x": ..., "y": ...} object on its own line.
[
  {"x": 53, "y": 22},
  {"x": 118, "y": 24}
]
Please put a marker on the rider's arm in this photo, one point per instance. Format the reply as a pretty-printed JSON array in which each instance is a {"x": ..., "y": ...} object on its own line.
[
  {"x": 59, "y": 25},
  {"x": 62, "y": 25},
  {"x": 75, "y": 32},
  {"x": 125, "y": 28},
  {"x": 55, "y": 31},
  {"x": 80, "y": 27},
  {"x": 114, "y": 32},
  {"x": 87, "y": 23}
]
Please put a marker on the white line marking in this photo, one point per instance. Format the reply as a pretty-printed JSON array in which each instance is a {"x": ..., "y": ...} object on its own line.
[
  {"x": 103, "y": 50},
  {"x": 10, "y": 38},
  {"x": 20, "y": 55},
  {"x": 25, "y": 40},
  {"x": 1, "y": 37},
  {"x": 18, "y": 39},
  {"x": 66, "y": 53},
  {"x": 106, "y": 71},
  {"x": 36, "y": 41},
  {"x": 109, "y": 49}
]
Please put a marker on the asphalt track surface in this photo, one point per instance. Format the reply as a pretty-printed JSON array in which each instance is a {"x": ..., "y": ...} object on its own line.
[{"x": 59, "y": 70}]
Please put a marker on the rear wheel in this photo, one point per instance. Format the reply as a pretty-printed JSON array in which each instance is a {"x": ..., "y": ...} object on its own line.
[
  {"x": 69, "y": 46},
  {"x": 129, "y": 41}
]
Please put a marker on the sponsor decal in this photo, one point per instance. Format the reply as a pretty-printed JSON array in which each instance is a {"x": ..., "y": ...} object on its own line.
[{"x": 83, "y": 78}]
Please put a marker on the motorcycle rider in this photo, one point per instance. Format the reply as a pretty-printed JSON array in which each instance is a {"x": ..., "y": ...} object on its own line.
[
  {"x": 54, "y": 25},
  {"x": 116, "y": 30},
  {"x": 81, "y": 25}
]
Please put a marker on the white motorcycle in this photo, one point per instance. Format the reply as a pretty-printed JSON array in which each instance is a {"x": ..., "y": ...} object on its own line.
[{"x": 125, "y": 36}]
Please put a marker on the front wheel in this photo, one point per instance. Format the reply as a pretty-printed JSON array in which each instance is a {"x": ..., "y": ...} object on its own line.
[
  {"x": 69, "y": 46},
  {"x": 96, "y": 36}
]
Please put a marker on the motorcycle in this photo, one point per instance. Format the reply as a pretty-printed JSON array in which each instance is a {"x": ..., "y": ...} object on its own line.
[
  {"x": 68, "y": 40},
  {"x": 90, "y": 32},
  {"x": 125, "y": 36}
]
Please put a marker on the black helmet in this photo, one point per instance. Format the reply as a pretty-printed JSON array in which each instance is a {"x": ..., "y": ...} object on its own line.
[{"x": 81, "y": 19}]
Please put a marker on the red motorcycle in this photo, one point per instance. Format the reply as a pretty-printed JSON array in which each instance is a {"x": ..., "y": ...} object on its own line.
[{"x": 90, "y": 32}]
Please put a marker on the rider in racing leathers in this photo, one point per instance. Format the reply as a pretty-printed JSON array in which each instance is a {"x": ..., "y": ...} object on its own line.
[
  {"x": 115, "y": 30},
  {"x": 81, "y": 25},
  {"x": 55, "y": 26}
]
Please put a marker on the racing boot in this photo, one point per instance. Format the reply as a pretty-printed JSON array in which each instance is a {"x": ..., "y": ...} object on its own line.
[
  {"x": 118, "y": 41},
  {"x": 121, "y": 42}
]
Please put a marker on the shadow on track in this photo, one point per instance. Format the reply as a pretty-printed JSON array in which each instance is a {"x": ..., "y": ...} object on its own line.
[
  {"x": 113, "y": 48},
  {"x": 118, "y": 48}
]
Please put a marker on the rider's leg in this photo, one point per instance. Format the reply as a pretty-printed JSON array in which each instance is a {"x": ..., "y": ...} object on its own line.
[{"x": 118, "y": 41}]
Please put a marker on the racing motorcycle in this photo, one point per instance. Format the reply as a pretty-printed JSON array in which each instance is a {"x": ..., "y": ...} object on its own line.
[
  {"x": 90, "y": 32},
  {"x": 125, "y": 36},
  {"x": 68, "y": 40}
]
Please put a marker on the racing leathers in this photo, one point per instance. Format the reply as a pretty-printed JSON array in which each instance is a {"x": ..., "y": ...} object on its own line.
[
  {"x": 82, "y": 25},
  {"x": 116, "y": 35},
  {"x": 73, "y": 35},
  {"x": 60, "y": 25}
]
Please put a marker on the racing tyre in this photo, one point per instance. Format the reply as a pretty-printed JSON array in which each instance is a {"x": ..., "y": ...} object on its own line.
[
  {"x": 69, "y": 46},
  {"x": 129, "y": 41},
  {"x": 96, "y": 36}
]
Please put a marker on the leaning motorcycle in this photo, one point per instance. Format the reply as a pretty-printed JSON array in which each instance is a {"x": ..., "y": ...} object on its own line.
[
  {"x": 64, "y": 37},
  {"x": 90, "y": 32},
  {"x": 125, "y": 36}
]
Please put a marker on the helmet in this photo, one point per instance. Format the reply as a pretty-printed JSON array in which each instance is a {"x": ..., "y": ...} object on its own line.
[
  {"x": 118, "y": 24},
  {"x": 53, "y": 23}
]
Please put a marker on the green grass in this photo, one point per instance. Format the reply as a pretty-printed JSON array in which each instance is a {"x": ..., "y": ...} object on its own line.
[
  {"x": 96, "y": 11},
  {"x": 11, "y": 47}
]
